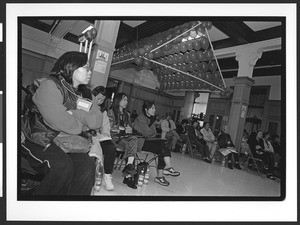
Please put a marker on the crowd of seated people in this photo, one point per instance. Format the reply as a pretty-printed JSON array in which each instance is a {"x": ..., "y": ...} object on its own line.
[
  {"x": 67, "y": 173},
  {"x": 261, "y": 148}
]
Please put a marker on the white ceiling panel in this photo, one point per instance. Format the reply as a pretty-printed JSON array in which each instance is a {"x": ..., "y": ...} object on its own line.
[
  {"x": 258, "y": 25},
  {"x": 49, "y": 22},
  {"x": 215, "y": 34},
  {"x": 134, "y": 23}
]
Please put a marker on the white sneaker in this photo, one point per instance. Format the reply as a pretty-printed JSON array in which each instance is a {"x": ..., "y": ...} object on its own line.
[{"x": 107, "y": 178}]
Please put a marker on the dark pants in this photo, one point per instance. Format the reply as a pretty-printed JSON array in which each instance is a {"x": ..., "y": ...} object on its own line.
[
  {"x": 235, "y": 156},
  {"x": 202, "y": 148},
  {"x": 159, "y": 147},
  {"x": 64, "y": 174},
  {"x": 109, "y": 153},
  {"x": 266, "y": 157}
]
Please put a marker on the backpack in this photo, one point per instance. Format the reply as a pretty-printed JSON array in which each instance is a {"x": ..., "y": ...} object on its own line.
[{"x": 33, "y": 125}]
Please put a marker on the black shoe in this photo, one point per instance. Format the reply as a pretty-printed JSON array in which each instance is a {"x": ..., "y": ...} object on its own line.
[
  {"x": 206, "y": 160},
  {"x": 230, "y": 166},
  {"x": 129, "y": 169},
  {"x": 130, "y": 182},
  {"x": 237, "y": 166}
]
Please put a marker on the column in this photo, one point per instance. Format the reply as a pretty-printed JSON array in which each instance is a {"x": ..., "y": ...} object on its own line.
[
  {"x": 239, "y": 107},
  {"x": 103, "y": 50},
  {"x": 188, "y": 104},
  {"x": 247, "y": 58}
]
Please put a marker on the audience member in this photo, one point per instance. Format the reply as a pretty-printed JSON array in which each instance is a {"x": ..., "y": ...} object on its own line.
[
  {"x": 210, "y": 139},
  {"x": 144, "y": 124},
  {"x": 108, "y": 148},
  {"x": 224, "y": 141},
  {"x": 196, "y": 138},
  {"x": 256, "y": 145},
  {"x": 122, "y": 136},
  {"x": 182, "y": 130},
  {"x": 57, "y": 99},
  {"x": 169, "y": 129},
  {"x": 157, "y": 123},
  {"x": 133, "y": 116},
  {"x": 277, "y": 149}
]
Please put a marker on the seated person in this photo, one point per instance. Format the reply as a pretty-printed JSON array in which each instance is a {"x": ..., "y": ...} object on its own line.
[
  {"x": 269, "y": 150},
  {"x": 133, "y": 116},
  {"x": 120, "y": 130},
  {"x": 157, "y": 123},
  {"x": 144, "y": 124},
  {"x": 168, "y": 128},
  {"x": 196, "y": 138},
  {"x": 224, "y": 141},
  {"x": 256, "y": 145},
  {"x": 277, "y": 149},
  {"x": 108, "y": 148},
  {"x": 182, "y": 130},
  {"x": 56, "y": 100},
  {"x": 210, "y": 139}
]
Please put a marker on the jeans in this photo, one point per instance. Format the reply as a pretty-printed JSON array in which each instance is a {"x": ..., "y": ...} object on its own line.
[{"x": 64, "y": 174}]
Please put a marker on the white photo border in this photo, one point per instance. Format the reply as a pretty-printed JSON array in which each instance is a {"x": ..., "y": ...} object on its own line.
[{"x": 285, "y": 210}]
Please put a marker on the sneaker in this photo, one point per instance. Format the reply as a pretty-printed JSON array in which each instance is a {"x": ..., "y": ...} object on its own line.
[
  {"x": 237, "y": 166},
  {"x": 129, "y": 169},
  {"x": 161, "y": 181},
  {"x": 107, "y": 178},
  {"x": 230, "y": 166},
  {"x": 171, "y": 171}
]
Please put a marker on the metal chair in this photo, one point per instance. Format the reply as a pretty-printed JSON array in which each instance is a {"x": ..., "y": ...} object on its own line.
[
  {"x": 120, "y": 158},
  {"x": 254, "y": 160}
]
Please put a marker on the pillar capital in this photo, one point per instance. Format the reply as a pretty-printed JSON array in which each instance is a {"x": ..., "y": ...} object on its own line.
[
  {"x": 247, "y": 58},
  {"x": 243, "y": 80}
]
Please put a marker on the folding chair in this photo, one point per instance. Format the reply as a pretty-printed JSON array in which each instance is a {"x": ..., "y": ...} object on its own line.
[
  {"x": 192, "y": 149},
  {"x": 254, "y": 161},
  {"x": 120, "y": 158}
]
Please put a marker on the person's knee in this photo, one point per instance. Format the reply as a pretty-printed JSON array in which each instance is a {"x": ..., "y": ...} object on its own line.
[
  {"x": 62, "y": 168},
  {"x": 89, "y": 167}
]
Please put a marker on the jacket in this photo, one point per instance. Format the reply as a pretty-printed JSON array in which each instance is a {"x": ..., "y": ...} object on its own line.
[
  {"x": 141, "y": 125},
  {"x": 49, "y": 101}
]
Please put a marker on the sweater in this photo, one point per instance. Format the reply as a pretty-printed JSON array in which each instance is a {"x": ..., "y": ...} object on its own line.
[
  {"x": 49, "y": 101},
  {"x": 141, "y": 125}
]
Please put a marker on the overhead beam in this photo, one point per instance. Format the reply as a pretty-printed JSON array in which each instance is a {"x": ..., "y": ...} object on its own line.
[{"x": 238, "y": 31}]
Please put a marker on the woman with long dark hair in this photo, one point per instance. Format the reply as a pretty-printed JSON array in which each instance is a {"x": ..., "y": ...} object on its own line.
[
  {"x": 121, "y": 131},
  {"x": 108, "y": 148},
  {"x": 60, "y": 101},
  {"x": 144, "y": 124}
]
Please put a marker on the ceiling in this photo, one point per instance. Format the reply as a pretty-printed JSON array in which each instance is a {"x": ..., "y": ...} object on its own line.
[{"x": 224, "y": 33}]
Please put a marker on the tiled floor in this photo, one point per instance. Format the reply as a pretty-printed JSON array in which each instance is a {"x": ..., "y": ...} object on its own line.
[{"x": 200, "y": 179}]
